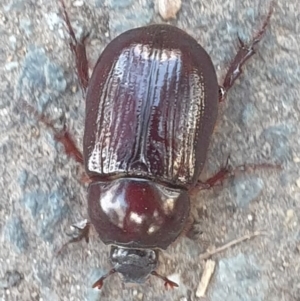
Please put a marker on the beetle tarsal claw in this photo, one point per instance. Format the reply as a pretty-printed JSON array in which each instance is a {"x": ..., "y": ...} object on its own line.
[
  {"x": 99, "y": 283},
  {"x": 168, "y": 283}
]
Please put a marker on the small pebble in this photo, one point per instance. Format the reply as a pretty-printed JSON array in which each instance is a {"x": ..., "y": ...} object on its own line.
[{"x": 168, "y": 8}]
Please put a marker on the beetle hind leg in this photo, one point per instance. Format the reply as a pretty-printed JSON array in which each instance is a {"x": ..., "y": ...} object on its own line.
[
  {"x": 63, "y": 136},
  {"x": 245, "y": 52},
  {"x": 79, "y": 50}
]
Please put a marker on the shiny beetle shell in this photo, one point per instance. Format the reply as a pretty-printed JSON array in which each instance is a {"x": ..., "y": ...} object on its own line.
[{"x": 151, "y": 107}]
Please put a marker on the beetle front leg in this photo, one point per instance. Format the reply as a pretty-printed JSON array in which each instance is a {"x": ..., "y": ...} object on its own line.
[
  {"x": 71, "y": 149},
  {"x": 79, "y": 50},
  {"x": 246, "y": 51},
  {"x": 83, "y": 229}
]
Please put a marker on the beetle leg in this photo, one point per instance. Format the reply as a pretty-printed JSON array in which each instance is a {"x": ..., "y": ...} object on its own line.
[
  {"x": 99, "y": 283},
  {"x": 228, "y": 171},
  {"x": 168, "y": 282},
  {"x": 62, "y": 136},
  {"x": 83, "y": 234},
  {"x": 79, "y": 50},
  {"x": 245, "y": 52},
  {"x": 71, "y": 149},
  {"x": 217, "y": 178}
]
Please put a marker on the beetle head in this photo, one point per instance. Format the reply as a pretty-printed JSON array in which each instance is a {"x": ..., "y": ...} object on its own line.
[{"x": 134, "y": 265}]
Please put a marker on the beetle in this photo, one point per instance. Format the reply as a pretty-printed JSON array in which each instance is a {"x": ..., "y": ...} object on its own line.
[{"x": 151, "y": 107}]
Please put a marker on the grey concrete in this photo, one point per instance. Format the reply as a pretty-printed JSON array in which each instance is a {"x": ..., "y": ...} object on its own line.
[{"x": 41, "y": 193}]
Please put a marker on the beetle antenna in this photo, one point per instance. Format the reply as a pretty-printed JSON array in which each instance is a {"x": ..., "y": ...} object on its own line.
[
  {"x": 99, "y": 283},
  {"x": 168, "y": 282}
]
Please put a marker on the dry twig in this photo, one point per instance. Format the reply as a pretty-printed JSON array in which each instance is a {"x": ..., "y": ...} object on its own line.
[
  {"x": 209, "y": 253},
  {"x": 206, "y": 276}
]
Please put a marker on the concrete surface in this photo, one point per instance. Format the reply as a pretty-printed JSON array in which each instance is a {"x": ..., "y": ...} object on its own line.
[{"x": 41, "y": 193}]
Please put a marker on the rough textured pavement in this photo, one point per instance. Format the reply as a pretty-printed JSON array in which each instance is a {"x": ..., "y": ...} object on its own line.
[{"x": 41, "y": 193}]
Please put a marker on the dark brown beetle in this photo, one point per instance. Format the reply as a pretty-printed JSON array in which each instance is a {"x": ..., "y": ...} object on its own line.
[{"x": 151, "y": 107}]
